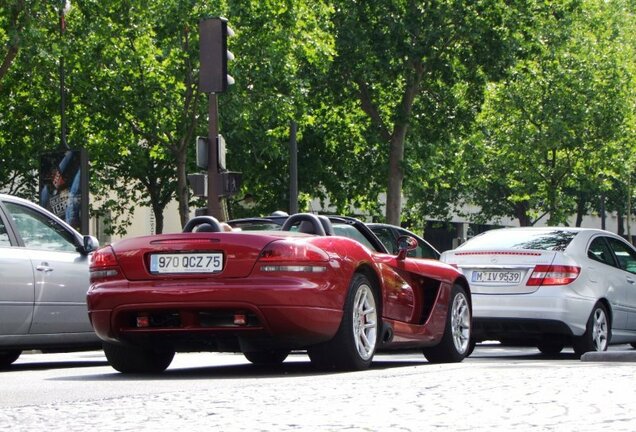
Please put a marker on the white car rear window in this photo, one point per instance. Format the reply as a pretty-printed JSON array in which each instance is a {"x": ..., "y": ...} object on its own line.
[{"x": 551, "y": 240}]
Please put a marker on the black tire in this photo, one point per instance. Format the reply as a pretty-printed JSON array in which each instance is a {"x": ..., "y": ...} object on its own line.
[
  {"x": 354, "y": 345},
  {"x": 8, "y": 357},
  {"x": 132, "y": 359},
  {"x": 455, "y": 344},
  {"x": 598, "y": 332},
  {"x": 550, "y": 347},
  {"x": 267, "y": 358},
  {"x": 472, "y": 343}
]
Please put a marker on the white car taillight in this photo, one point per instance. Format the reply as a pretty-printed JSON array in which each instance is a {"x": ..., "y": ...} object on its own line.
[{"x": 547, "y": 275}]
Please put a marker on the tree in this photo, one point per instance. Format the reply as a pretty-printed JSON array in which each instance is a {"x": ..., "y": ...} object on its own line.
[
  {"x": 550, "y": 133},
  {"x": 29, "y": 91},
  {"x": 138, "y": 107},
  {"x": 134, "y": 70},
  {"x": 12, "y": 23},
  {"x": 383, "y": 93},
  {"x": 418, "y": 70},
  {"x": 281, "y": 47}
]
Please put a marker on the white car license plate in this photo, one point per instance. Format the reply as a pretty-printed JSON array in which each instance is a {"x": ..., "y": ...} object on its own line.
[
  {"x": 186, "y": 263},
  {"x": 503, "y": 277}
]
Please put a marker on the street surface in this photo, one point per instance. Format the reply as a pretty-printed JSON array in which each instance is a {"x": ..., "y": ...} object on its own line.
[{"x": 495, "y": 389}]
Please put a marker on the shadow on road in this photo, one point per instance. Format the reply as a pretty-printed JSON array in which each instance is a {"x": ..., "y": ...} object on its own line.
[
  {"x": 291, "y": 369},
  {"x": 47, "y": 365},
  {"x": 296, "y": 365}
]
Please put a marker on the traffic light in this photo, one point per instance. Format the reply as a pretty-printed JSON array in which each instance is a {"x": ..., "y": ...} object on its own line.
[
  {"x": 202, "y": 148},
  {"x": 228, "y": 183},
  {"x": 213, "y": 55}
]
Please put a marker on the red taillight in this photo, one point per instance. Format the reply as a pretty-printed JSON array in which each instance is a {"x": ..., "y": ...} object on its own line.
[
  {"x": 292, "y": 256},
  {"x": 103, "y": 264},
  {"x": 546, "y": 275},
  {"x": 104, "y": 257},
  {"x": 292, "y": 251}
]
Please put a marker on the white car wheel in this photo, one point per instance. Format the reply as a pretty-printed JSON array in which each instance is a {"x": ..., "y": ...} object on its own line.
[{"x": 597, "y": 333}]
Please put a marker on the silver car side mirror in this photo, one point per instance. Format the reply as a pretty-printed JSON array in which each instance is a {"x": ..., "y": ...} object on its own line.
[{"x": 89, "y": 245}]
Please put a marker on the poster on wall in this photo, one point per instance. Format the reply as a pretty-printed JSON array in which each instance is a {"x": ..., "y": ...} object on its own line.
[{"x": 64, "y": 186}]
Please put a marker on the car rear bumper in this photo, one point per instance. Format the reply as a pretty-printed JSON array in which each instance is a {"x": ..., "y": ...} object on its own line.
[
  {"x": 524, "y": 331},
  {"x": 224, "y": 317},
  {"x": 550, "y": 310}
]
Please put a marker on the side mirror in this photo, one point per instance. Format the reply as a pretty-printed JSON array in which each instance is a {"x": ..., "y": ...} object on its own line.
[
  {"x": 89, "y": 244},
  {"x": 405, "y": 244}
]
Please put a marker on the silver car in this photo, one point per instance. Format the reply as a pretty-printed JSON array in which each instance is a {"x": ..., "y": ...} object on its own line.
[
  {"x": 550, "y": 287},
  {"x": 43, "y": 282}
]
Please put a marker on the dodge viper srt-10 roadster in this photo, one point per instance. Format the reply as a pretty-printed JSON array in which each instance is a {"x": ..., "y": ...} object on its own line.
[{"x": 326, "y": 285}]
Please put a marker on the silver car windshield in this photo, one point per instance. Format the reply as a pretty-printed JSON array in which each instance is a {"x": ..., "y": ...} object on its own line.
[{"x": 552, "y": 240}]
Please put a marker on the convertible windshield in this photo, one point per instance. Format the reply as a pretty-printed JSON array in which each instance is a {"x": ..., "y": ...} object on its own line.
[{"x": 551, "y": 240}]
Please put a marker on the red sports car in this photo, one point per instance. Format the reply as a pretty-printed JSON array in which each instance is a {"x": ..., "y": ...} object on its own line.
[{"x": 324, "y": 285}]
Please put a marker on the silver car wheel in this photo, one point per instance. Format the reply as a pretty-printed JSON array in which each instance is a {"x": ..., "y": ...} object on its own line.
[
  {"x": 460, "y": 323},
  {"x": 365, "y": 322},
  {"x": 600, "y": 330}
]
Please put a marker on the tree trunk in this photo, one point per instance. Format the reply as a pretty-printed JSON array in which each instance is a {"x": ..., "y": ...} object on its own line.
[
  {"x": 396, "y": 177},
  {"x": 521, "y": 213},
  {"x": 395, "y": 139},
  {"x": 158, "y": 212},
  {"x": 396, "y": 153},
  {"x": 580, "y": 209}
]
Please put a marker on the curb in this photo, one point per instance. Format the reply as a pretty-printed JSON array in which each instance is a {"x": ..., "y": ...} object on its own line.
[{"x": 609, "y": 356}]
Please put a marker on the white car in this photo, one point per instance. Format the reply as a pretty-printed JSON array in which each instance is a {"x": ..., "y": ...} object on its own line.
[
  {"x": 550, "y": 287},
  {"x": 43, "y": 282}
]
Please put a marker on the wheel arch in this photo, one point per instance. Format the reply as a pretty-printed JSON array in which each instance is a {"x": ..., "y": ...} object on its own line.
[
  {"x": 461, "y": 281},
  {"x": 373, "y": 277},
  {"x": 608, "y": 307}
]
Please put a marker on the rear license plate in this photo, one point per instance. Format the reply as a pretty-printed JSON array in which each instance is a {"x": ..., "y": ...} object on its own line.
[
  {"x": 503, "y": 277},
  {"x": 186, "y": 263}
]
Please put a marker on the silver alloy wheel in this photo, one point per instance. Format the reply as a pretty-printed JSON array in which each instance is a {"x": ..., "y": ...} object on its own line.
[
  {"x": 365, "y": 322},
  {"x": 460, "y": 323},
  {"x": 600, "y": 331}
]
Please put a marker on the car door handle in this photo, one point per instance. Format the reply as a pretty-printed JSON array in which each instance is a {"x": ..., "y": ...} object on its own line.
[
  {"x": 630, "y": 280},
  {"x": 44, "y": 267}
]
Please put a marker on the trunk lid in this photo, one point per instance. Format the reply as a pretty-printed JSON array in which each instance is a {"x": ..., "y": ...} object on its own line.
[
  {"x": 237, "y": 252},
  {"x": 499, "y": 271}
]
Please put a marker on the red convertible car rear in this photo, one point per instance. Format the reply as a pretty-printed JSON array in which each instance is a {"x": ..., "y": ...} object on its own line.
[{"x": 324, "y": 285}]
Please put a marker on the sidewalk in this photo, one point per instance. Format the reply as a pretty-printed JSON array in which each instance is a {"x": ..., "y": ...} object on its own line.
[{"x": 610, "y": 356}]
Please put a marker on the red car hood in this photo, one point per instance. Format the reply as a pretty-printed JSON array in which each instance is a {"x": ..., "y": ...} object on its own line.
[{"x": 240, "y": 252}]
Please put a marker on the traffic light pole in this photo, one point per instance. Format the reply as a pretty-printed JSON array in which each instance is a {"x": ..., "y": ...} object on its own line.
[
  {"x": 214, "y": 204},
  {"x": 213, "y": 78}
]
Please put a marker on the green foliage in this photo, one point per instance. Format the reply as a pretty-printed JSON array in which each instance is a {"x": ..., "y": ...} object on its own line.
[
  {"x": 520, "y": 107},
  {"x": 29, "y": 92},
  {"x": 418, "y": 70},
  {"x": 280, "y": 48},
  {"x": 549, "y": 138},
  {"x": 135, "y": 77}
]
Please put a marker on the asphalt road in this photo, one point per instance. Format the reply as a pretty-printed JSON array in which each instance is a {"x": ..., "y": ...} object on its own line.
[{"x": 497, "y": 388}]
